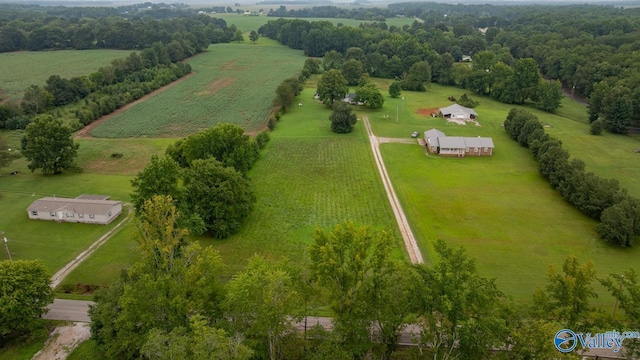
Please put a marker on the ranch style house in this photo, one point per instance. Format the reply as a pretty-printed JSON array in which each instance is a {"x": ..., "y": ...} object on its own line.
[
  {"x": 90, "y": 209},
  {"x": 456, "y": 146}
]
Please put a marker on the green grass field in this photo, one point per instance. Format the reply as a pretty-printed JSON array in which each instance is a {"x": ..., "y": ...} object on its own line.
[
  {"x": 248, "y": 23},
  {"x": 234, "y": 83},
  {"x": 22, "y": 69},
  {"x": 498, "y": 208}
]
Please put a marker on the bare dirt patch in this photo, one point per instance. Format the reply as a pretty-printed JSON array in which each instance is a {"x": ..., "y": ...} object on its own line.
[
  {"x": 231, "y": 66},
  {"x": 428, "y": 112},
  {"x": 85, "y": 132},
  {"x": 62, "y": 341},
  {"x": 219, "y": 84}
]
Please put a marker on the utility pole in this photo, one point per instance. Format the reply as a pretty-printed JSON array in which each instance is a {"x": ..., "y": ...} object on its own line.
[
  {"x": 396, "y": 115},
  {"x": 6, "y": 246}
]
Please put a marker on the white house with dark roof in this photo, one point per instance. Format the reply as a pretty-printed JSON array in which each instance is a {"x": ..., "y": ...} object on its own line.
[
  {"x": 456, "y": 146},
  {"x": 90, "y": 209},
  {"x": 459, "y": 112}
]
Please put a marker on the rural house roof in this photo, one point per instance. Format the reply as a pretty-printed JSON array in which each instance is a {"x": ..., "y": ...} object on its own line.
[
  {"x": 457, "y": 109},
  {"x": 438, "y": 138},
  {"x": 77, "y": 205}
]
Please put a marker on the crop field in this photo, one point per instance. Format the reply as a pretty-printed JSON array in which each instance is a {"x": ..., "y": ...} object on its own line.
[
  {"x": 22, "y": 69},
  {"x": 248, "y": 23},
  {"x": 234, "y": 83},
  {"x": 308, "y": 176}
]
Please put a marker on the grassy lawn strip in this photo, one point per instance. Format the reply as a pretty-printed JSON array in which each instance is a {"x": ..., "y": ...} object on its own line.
[
  {"x": 222, "y": 90},
  {"x": 22, "y": 69}
]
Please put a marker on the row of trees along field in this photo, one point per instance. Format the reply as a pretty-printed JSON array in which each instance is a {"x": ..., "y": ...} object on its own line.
[
  {"x": 582, "y": 46},
  {"x": 125, "y": 80},
  {"x": 598, "y": 198}
]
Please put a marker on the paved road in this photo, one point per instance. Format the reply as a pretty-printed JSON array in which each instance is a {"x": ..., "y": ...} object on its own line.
[
  {"x": 407, "y": 235},
  {"x": 71, "y": 310}
]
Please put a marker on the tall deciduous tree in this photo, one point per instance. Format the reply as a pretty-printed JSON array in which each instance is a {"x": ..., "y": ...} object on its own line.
[
  {"x": 617, "y": 109},
  {"x": 620, "y": 223},
  {"x": 161, "y": 176},
  {"x": 567, "y": 294},
  {"x": 342, "y": 118},
  {"x": 548, "y": 96},
  {"x": 460, "y": 311},
  {"x": 36, "y": 100},
  {"x": 418, "y": 75},
  {"x": 254, "y": 36},
  {"x": 332, "y": 87},
  {"x": 48, "y": 145},
  {"x": 370, "y": 96},
  {"x": 225, "y": 142},
  {"x": 352, "y": 71},
  {"x": 24, "y": 294},
  {"x": 263, "y": 301},
  {"x": 219, "y": 195},
  {"x": 395, "y": 89},
  {"x": 353, "y": 264}
]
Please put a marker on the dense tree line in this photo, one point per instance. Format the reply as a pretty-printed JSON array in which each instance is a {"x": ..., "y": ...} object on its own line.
[
  {"x": 409, "y": 55},
  {"x": 174, "y": 303},
  {"x": 375, "y": 14},
  {"x": 598, "y": 198}
]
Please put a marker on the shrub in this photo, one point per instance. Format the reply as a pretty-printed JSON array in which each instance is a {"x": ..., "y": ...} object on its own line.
[{"x": 596, "y": 127}]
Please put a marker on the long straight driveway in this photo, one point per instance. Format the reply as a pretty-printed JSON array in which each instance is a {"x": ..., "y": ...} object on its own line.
[{"x": 407, "y": 235}]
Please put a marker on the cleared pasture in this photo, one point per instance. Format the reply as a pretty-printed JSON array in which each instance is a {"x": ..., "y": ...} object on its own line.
[
  {"x": 234, "y": 83},
  {"x": 248, "y": 23},
  {"x": 499, "y": 208},
  {"x": 22, "y": 69}
]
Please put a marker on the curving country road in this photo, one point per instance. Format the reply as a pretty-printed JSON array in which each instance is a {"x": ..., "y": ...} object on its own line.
[{"x": 407, "y": 235}]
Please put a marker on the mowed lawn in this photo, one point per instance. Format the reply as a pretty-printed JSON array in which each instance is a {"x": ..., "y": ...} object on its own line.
[
  {"x": 308, "y": 176},
  {"x": 498, "y": 208},
  {"x": 233, "y": 83},
  {"x": 22, "y": 69}
]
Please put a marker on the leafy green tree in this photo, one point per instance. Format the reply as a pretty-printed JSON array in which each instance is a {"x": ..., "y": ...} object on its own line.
[
  {"x": 331, "y": 87},
  {"x": 596, "y": 127},
  {"x": 161, "y": 176},
  {"x": 352, "y": 71},
  {"x": 263, "y": 301},
  {"x": 219, "y": 195},
  {"x": 526, "y": 78},
  {"x": 312, "y": 66},
  {"x": 342, "y": 118},
  {"x": 254, "y": 36},
  {"x": 24, "y": 294},
  {"x": 172, "y": 282},
  {"x": 529, "y": 339},
  {"x": 353, "y": 264},
  {"x": 395, "y": 89},
  {"x": 620, "y": 223},
  {"x": 36, "y": 100},
  {"x": 370, "y": 96},
  {"x": 6, "y": 155},
  {"x": 460, "y": 311},
  {"x": 626, "y": 289},
  {"x": 617, "y": 109},
  {"x": 567, "y": 295},
  {"x": 225, "y": 142},
  {"x": 332, "y": 60},
  {"x": 48, "y": 145},
  {"x": 199, "y": 341},
  {"x": 548, "y": 96},
  {"x": 418, "y": 75}
]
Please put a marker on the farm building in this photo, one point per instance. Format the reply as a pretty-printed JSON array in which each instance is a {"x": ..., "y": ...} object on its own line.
[
  {"x": 460, "y": 112},
  {"x": 438, "y": 143},
  {"x": 90, "y": 209}
]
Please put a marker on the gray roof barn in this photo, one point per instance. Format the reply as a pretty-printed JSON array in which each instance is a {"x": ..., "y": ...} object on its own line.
[{"x": 456, "y": 110}]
